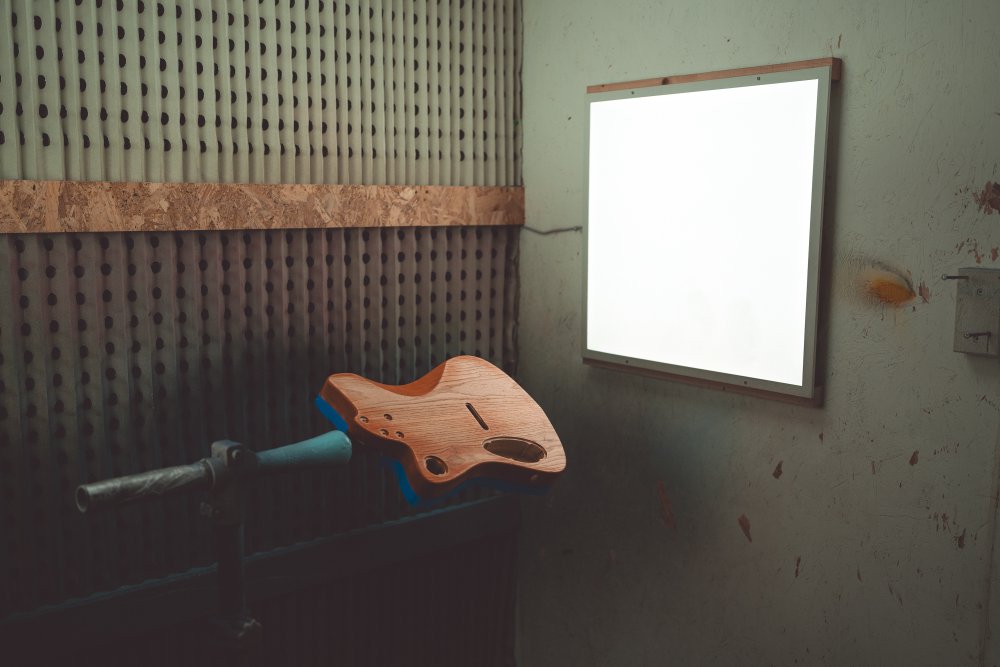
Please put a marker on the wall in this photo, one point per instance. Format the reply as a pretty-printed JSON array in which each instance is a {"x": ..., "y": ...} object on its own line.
[{"x": 871, "y": 518}]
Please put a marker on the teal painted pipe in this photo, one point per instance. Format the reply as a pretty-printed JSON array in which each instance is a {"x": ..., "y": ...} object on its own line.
[{"x": 329, "y": 449}]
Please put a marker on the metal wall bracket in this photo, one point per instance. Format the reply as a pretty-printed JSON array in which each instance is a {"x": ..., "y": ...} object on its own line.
[{"x": 977, "y": 311}]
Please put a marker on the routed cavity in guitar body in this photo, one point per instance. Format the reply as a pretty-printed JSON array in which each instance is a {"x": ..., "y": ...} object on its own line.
[
  {"x": 465, "y": 419},
  {"x": 516, "y": 449}
]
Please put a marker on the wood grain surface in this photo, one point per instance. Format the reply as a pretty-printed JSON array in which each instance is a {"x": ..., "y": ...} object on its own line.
[
  {"x": 835, "y": 65},
  {"x": 440, "y": 426},
  {"x": 99, "y": 206}
]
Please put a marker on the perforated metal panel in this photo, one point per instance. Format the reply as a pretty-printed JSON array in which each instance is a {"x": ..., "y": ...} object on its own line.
[
  {"x": 389, "y": 91},
  {"x": 124, "y": 352}
]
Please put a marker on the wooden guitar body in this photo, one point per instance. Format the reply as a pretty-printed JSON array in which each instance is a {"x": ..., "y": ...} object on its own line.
[{"x": 465, "y": 419}]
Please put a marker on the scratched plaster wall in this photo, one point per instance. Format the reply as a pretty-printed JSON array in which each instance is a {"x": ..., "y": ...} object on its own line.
[{"x": 872, "y": 519}]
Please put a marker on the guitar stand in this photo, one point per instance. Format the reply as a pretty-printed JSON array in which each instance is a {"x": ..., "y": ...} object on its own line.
[
  {"x": 466, "y": 421},
  {"x": 233, "y": 637}
]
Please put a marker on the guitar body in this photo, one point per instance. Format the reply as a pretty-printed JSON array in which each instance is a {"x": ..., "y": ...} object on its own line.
[{"x": 464, "y": 420}]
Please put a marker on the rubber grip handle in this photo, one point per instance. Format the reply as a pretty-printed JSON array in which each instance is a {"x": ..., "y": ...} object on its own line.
[
  {"x": 131, "y": 488},
  {"x": 329, "y": 449}
]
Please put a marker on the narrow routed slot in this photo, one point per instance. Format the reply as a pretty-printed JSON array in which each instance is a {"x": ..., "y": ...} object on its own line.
[{"x": 478, "y": 418}]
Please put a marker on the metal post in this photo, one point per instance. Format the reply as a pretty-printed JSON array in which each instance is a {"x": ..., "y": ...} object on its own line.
[{"x": 236, "y": 637}]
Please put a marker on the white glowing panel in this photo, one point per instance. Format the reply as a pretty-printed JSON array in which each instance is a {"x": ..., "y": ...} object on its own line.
[{"x": 703, "y": 228}]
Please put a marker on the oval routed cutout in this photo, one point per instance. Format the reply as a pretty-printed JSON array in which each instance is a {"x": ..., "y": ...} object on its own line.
[
  {"x": 435, "y": 466},
  {"x": 516, "y": 449}
]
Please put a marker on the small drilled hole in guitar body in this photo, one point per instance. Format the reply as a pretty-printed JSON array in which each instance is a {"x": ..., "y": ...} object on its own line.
[
  {"x": 479, "y": 419},
  {"x": 516, "y": 449}
]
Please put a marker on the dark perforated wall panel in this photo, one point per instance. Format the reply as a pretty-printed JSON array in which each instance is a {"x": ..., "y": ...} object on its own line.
[{"x": 124, "y": 352}]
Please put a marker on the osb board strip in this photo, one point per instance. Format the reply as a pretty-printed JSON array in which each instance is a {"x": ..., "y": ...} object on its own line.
[
  {"x": 835, "y": 65},
  {"x": 98, "y": 206}
]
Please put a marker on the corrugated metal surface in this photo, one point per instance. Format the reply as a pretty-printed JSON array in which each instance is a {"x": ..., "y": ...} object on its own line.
[
  {"x": 124, "y": 352},
  {"x": 391, "y": 91}
]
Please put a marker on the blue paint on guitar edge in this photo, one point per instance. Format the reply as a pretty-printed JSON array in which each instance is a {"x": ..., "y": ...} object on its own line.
[
  {"x": 484, "y": 482},
  {"x": 332, "y": 415},
  {"x": 406, "y": 488}
]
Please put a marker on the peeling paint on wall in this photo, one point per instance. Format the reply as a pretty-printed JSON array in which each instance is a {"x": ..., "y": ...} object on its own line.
[
  {"x": 745, "y": 526},
  {"x": 666, "y": 510},
  {"x": 895, "y": 595},
  {"x": 924, "y": 291},
  {"x": 989, "y": 198},
  {"x": 947, "y": 449},
  {"x": 973, "y": 249}
]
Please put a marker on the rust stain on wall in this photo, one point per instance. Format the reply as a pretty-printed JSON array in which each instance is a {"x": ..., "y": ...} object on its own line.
[
  {"x": 948, "y": 449},
  {"x": 942, "y": 522},
  {"x": 974, "y": 251},
  {"x": 745, "y": 526},
  {"x": 994, "y": 253},
  {"x": 777, "y": 470},
  {"x": 666, "y": 510},
  {"x": 972, "y": 248},
  {"x": 888, "y": 286},
  {"x": 989, "y": 198},
  {"x": 924, "y": 291},
  {"x": 915, "y": 457},
  {"x": 960, "y": 540}
]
